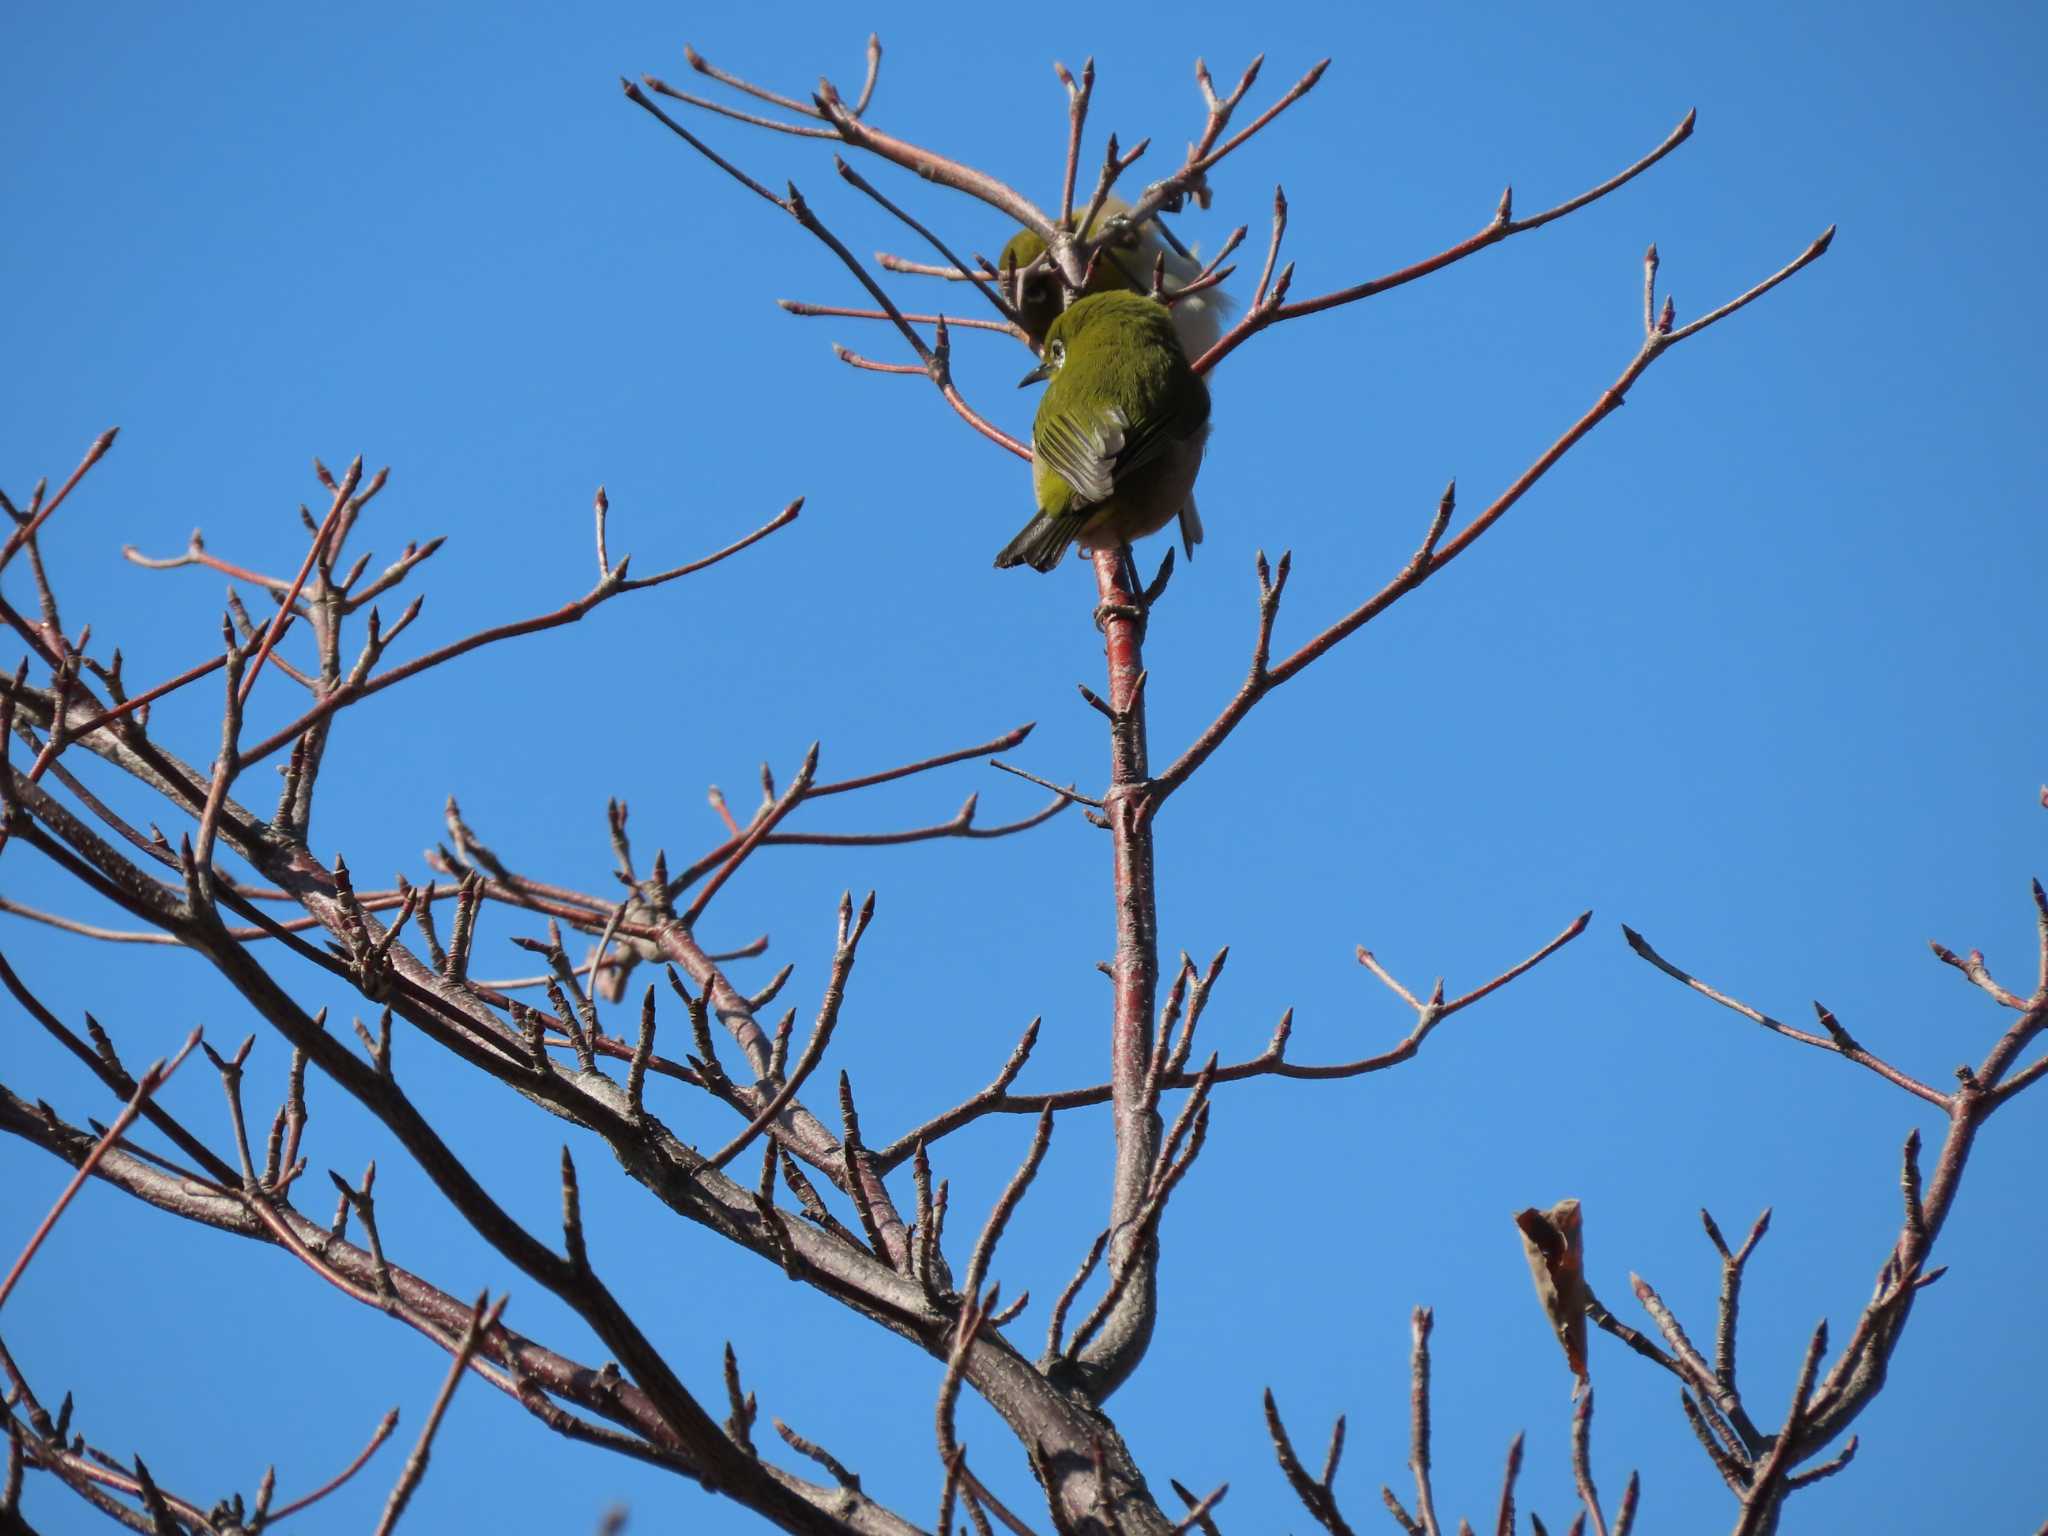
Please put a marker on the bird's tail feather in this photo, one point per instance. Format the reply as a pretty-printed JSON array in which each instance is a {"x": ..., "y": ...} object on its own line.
[{"x": 1044, "y": 540}]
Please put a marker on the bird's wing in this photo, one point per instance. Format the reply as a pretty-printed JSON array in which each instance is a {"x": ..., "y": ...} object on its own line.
[
  {"x": 1083, "y": 449},
  {"x": 1162, "y": 430},
  {"x": 1093, "y": 452}
]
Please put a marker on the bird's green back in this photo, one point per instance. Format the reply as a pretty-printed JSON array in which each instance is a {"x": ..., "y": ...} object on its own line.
[{"x": 1121, "y": 368}]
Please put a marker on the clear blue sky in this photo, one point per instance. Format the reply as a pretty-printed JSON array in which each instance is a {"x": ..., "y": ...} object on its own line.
[{"x": 1757, "y": 671}]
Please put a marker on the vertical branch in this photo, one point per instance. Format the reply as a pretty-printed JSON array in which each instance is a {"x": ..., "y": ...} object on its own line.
[
  {"x": 1418, "y": 1421},
  {"x": 1077, "y": 117},
  {"x": 1582, "y": 1462},
  {"x": 1731, "y": 1288},
  {"x": 1115, "y": 1353},
  {"x": 1504, "y": 1522}
]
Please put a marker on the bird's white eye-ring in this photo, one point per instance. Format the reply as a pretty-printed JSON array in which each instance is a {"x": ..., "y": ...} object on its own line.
[{"x": 1056, "y": 354}]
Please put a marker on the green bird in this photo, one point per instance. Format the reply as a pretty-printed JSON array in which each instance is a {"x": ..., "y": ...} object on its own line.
[
  {"x": 1118, "y": 437},
  {"x": 1124, "y": 266}
]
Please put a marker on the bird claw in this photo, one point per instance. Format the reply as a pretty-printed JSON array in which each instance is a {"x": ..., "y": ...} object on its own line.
[
  {"x": 1139, "y": 609},
  {"x": 1132, "y": 612}
]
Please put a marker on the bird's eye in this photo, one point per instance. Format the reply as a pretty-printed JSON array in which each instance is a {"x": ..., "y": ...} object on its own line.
[{"x": 1057, "y": 353}]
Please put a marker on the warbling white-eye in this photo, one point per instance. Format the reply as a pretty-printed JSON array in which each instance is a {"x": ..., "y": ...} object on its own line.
[
  {"x": 1124, "y": 265},
  {"x": 1118, "y": 437}
]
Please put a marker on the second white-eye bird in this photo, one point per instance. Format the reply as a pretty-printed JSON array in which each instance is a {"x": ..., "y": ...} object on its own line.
[{"x": 1124, "y": 265}]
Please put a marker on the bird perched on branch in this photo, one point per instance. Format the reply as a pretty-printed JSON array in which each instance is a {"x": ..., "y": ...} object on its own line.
[
  {"x": 1124, "y": 265},
  {"x": 1118, "y": 437}
]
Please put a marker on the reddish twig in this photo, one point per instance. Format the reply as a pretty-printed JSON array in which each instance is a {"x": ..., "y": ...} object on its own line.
[
  {"x": 1420, "y": 1325},
  {"x": 285, "y": 609},
  {"x": 1198, "y": 1510},
  {"x": 997, "y": 298},
  {"x": 1262, "y": 314},
  {"x": 952, "y": 274},
  {"x": 1191, "y": 179},
  {"x": 1316, "y": 1495},
  {"x": 970, "y": 322},
  {"x": 377, "y": 1438},
  {"x": 1078, "y": 94},
  {"x": 27, "y": 531},
  {"x": 154, "y": 1078},
  {"x": 483, "y": 1318},
  {"x": 1432, "y": 557},
  {"x": 814, "y": 1050},
  {"x": 753, "y": 119},
  {"x": 934, "y": 358},
  {"x": 196, "y": 553},
  {"x": 613, "y": 585},
  {"x": 1582, "y": 1461},
  {"x": 1837, "y": 1038},
  {"x": 1271, "y": 1062}
]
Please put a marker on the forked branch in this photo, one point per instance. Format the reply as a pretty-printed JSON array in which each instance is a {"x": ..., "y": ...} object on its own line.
[{"x": 1436, "y": 551}]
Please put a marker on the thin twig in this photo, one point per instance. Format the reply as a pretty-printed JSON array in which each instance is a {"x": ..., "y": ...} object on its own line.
[
  {"x": 1837, "y": 1039},
  {"x": 1499, "y": 228},
  {"x": 154, "y": 1078},
  {"x": 378, "y": 1436},
  {"x": 1432, "y": 557},
  {"x": 482, "y": 1320}
]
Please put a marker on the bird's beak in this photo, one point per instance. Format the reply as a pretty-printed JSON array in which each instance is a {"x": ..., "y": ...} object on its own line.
[{"x": 1037, "y": 375}]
